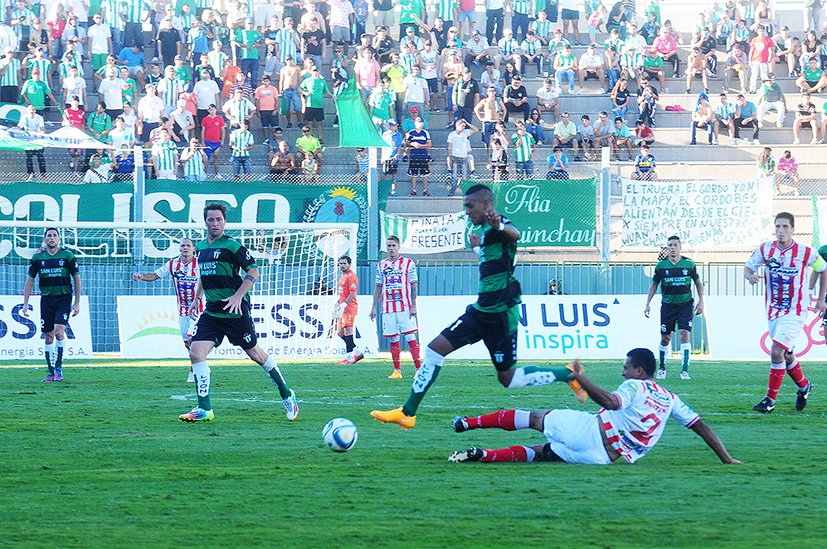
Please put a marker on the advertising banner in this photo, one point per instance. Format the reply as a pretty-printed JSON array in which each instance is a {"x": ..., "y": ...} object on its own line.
[
  {"x": 21, "y": 338},
  {"x": 288, "y": 327},
  {"x": 751, "y": 340},
  {"x": 549, "y": 213},
  {"x": 562, "y": 326},
  {"x": 426, "y": 235},
  {"x": 701, "y": 213}
]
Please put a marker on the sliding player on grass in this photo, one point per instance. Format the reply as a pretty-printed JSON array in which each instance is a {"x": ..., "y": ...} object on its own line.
[
  {"x": 629, "y": 425},
  {"x": 396, "y": 285},
  {"x": 492, "y": 319},
  {"x": 785, "y": 264},
  {"x": 57, "y": 268},
  {"x": 184, "y": 273},
  {"x": 220, "y": 258}
]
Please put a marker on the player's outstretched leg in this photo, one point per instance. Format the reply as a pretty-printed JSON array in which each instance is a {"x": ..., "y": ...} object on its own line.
[
  {"x": 405, "y": 416},
  {"x": 527, "y": 376},
  {"x": 510, "y": 454},
  {"x": 508, "y": 420},
  {"x": 202, "y": 412}
]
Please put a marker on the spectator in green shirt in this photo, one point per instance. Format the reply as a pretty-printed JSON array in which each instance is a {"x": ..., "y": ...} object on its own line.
[
  {"x": 35, "y": 91},
  {"x": 247, "y": 42},
  {"x": 409, "y": 8},
  {"x": 313, "y": 90}
]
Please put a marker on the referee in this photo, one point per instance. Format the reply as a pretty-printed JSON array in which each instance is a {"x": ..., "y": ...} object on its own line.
[{"x": 57, "y": 267}]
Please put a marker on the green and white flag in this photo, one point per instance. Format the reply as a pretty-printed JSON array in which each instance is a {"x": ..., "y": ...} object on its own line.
[{"x": 426, "y": 235}]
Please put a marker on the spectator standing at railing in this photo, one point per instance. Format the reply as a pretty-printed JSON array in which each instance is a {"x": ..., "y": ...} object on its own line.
[{"x": 33, "y": 122}]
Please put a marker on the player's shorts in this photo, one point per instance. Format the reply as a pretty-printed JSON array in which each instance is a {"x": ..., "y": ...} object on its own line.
[
  {"x": 187, "y": 326},
  {"x": 313, "y": 114},
  {"x": 239, "y": 331},
  {"x": 54, "y": 310},
  {"x": 575, "y": 437},
  {"x": 496, "y": 330},
  {"x": 785, "y": 329},
  {"x": 419, "y": 166},
  {"x": 210, "y": 147},
  {"x": 348, "y": 319},
  {"x": 398, "y": 323},
  {"x": 675, "y": 314}
]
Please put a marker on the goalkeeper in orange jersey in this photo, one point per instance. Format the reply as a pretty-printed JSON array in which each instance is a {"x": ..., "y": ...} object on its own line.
[{"x": 346, "y": 309}]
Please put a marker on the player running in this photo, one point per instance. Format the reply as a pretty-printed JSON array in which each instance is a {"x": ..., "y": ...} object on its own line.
[
  {"x": 57, "y": 268},
  {"x": 184, "y": 273},
  {"x": 396, "y": 284},
  {"x": 629, "y": 425},
  {"x": 785, "y": 262},
  {"x": 676, "y": 274},
  {"x": 227, "y": 312},
  {"x": 346, "y": 309},
  {"x": 492, "y": 319}
]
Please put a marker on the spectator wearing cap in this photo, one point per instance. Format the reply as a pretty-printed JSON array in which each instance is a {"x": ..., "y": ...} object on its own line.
[
  {"x": 183, "y": 72},
  {"x": 411, "y": 38},
  {"x": 40, "y": 35},
  {"x": 592, "y": 66},
  {"x": 36, "y": 91},
  {"x": 168, "y": 42},
  {"x": 409, "y": 8},
  {"x": 133, "y": 59},
  {"x": 476, "y": 50},
  {"x": 170, "y": 89},
  {"x": 554, "y": 288},
  {"x": 409, "y": 123},
  {"x": 494, "y": 16},
  {"x": 771, "y": 97},
  {"x": 515, "y": 98}
]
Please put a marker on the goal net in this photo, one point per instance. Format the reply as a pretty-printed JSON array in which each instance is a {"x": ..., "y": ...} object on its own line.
[{"x": 292, "y": 302}]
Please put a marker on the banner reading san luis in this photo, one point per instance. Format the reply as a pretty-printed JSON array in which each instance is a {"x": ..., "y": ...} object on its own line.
[
  {"x": 701, "y": 213},
  {"x": 549, "y": 213}
]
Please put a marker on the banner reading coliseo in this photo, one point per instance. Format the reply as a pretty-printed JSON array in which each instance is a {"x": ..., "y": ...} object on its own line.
[
  {"x": 21, "y": 338},
  {"x": 426, "y": 234},
  {"x": 563, "y": 326},
  {"x": 548, "y": 213},
  {"x": 287, "y": 327},
  {"x": 701, "y": 213},
  {"x": 181, "y": 202}
]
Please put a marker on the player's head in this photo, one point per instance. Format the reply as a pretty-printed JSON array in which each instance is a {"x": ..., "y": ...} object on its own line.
[
  {"x": 344, "y": 263},
  {"x": 392, "y": 245},
  {"x": 478, "y": 200},
  {"x": 673, "y": 245},
  {"x": 784, "y": 227},
  {"x": 215, "y": 216},
  {"x": 639, "y": 359},
  {"x": 52, "y": 238},
  {"x": 187, "y": 247}
]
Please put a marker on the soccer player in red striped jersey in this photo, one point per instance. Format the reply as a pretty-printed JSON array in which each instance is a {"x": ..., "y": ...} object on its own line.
[
  {"x": 184, "y": 272},
  {"x": 396, "y": 284},
  {"x": 787, "y": 298}
]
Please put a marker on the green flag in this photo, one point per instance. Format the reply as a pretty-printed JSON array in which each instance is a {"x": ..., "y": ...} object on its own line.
[{"x": 356, "y": 127}]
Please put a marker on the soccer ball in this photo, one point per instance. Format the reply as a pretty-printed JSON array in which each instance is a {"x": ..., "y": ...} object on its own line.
[{"x": 339, "y": 434}]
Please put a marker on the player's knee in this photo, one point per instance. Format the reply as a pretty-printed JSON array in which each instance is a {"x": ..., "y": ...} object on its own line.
[{"x": 504, "y": 377}]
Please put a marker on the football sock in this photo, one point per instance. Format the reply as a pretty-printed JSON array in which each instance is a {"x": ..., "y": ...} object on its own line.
[
  {"x": 776, "y": 377},
  {"x": 794, "y": 371},
  {"x": 59, "y": 345},
  {"x": 528, "y": 376},
  {"x": 662, "y": 350},
  {"x": 349, "y": 344},
  {"x": 202, "y": 384},
  {"x": 686, "y": 348},
  {"x": 396, "y": 350},
  {"x": 273, "y": 371},
  {"x": 49, "y": 352},
  {"x": 413, "y": 345},
  {"x": 508, "y": 420},
  {"x": 423, "y": 380},
  {"x": 512, "y": 453}
]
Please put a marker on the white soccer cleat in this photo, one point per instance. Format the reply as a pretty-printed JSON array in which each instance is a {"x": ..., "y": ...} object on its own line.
[{"x": 291, "y": 407}]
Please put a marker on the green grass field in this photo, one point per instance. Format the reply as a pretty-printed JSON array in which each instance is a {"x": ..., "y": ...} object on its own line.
[{"x": 101, "y": 460}]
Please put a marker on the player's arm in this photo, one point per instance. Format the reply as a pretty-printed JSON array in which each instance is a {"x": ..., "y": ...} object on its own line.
[
  {"x": 234, "y": 301},
  {"x": 414, "y": 289},
  {"x": 705, "y": 432},
  {"x": 600, "y": 396},
  {"x": 822, "y": 291},
  {"x": 194, "y": 306},
  {"x": 27, "y": 292},
  {"x": 751, "y": 275},
  {"x": 495, "y": 220},
  {"x": 652, "y": 290},
  {"x": 699, "y": 287},
  {"x": 146, "y": 277},
  {"x": 76, "y": 304},
  {"x": 377, "y": 294}
]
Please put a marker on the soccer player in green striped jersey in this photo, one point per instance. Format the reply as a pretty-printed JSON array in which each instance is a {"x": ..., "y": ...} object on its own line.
[
  {"x": 492, "y": 319},
  {"x": 227, "y": 313},
  {"x": 675, "y": 275},
  {"x": 58, "y": 270}
]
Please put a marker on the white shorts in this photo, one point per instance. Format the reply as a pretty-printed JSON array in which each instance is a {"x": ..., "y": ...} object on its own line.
[
  {"x": 398, "y": 323},
  {"x": 187, "y": 326},
  {"x": 575, "y": 437},
  {"x": 785, "y": 329},
  {"x": 166, "y": 174}
]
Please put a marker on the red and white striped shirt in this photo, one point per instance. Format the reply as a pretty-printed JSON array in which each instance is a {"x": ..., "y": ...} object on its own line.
[
  {"x": 396, "y": 276},
  {"x": 185, "y": 276},
  {"x": 786, "y": 291}
]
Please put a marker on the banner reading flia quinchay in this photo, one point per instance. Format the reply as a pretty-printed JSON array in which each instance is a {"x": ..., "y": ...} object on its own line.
[{"x": 548, "y": 213}]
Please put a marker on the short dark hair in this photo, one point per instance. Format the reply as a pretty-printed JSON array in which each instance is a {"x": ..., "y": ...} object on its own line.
[
  {"x": 394, "y": 238},
  {"x": 346, "y": 258},
  {"x": 788, "y": 216},
  {"x": 643, "y": 358},
  {"x": 51, "y": 229},
  {"x": 673, "y": 237},
  {"x": 485, "y": 191},
  {"x": 216, "y": 206}
]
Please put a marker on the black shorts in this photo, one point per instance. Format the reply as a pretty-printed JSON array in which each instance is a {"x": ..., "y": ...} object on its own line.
[
  {"x": 239, "y": 331},
  {"x": 267, "y": 119},
  {"x": 54, "y": 310},
  {"x": 494, "y": 331},
  {"x": 675, "y": 314},
  {"x": 433, "y": 85},
  {"x": 390, "y": 167},
  {"x": 313, "y": 114},
  {"x": 419, "y": 166},
  {"x": 148, "y": 127},
  {"x": 591, "y": 75},
  {"x": 572, "y": 15}
]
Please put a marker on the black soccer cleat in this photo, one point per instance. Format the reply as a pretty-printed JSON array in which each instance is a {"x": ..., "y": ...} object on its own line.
[
  {"x": 460, "y": 425},
  {"x": 467, "y": 456},
  {"x": 801, "y": 397},
  {"x": 765, "y": 406}
]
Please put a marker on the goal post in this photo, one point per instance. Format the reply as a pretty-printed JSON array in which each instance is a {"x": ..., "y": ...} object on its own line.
[{"x": 292, "y": 301}]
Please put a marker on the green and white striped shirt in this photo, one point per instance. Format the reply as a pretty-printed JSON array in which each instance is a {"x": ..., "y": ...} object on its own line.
[
  {"x": 525, "y": 7},
  {"x": 44, "y": 65},
  {"x": 508, "y": 46},
  {"x": 63, "y": 68},
  {"x": 165, "y": 153},
  {"x": 248, "y": 38},
  {"x": 287, "y": 44},
  {"x": 749, "y": 10},
  {"x": 217, "y": 60},
  {"x": 187, "y": 19},
  {"x": 542, "y": 28},
  {"x": 133, "y": 9},
  {"x": 241, "y": 139},
  {"x": 112, "y": 9},
  {"x": 530, "y": 48},
  {"x": 194, "y": 165},
  {"x": 238, "y": 110},
  {"x": 522, "y": 147},
  {"x": 12, "y": 75},
  {"x": 445, "y": 9},
  {"x": 170, "y": 91}
]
